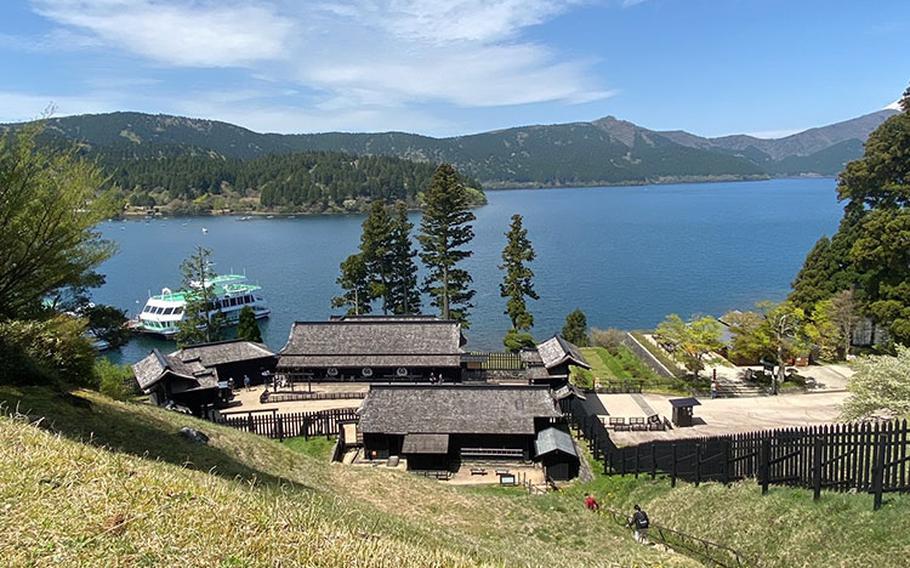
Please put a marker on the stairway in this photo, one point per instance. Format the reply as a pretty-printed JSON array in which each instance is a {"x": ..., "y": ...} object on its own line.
[{"x": 735, "y": 389}]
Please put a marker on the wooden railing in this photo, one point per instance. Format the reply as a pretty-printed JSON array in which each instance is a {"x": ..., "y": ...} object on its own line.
[{"x": 272, "y": 424}]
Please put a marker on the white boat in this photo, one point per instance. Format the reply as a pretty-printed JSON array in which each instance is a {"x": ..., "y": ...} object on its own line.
[{"x": 163, "y": 312}]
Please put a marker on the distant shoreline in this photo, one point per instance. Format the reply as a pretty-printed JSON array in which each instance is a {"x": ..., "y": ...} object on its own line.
[{"x": 494, "y": 186}]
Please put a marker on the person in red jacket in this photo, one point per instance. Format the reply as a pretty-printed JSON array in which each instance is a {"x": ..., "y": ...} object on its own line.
[{"x": 591, "y": 503}]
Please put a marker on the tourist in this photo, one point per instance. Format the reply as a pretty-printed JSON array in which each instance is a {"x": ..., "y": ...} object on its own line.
[
  {"x": 714, "y": 388},
  {"x": 591, "y": 503},
  {"x": 640, "y": 523},
  {"x": 246, "y": 382}
]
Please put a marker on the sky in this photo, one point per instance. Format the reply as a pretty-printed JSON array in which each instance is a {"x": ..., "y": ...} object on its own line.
[{"x": 448, "y": 67}]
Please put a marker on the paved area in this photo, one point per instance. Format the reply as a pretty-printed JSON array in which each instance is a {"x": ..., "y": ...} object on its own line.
[
  {"x": 249, "y": 400},
  {"x": 734, "y": 415}
]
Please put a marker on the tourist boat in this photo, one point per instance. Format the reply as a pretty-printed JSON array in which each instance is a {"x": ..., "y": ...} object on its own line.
[{"x": 162, "y": 313}]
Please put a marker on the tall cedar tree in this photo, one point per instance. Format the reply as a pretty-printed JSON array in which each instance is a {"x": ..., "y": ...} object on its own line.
[
  {"x": 247, "y": 326},
  {"x": 374, "y": 249},
  {"x": 575, "y": 329},
  {"x": 518, "y": 280},
  {"x": 198, "y": 324},
  {"x": 444, "y": 228},
  {"x": 355, "y": 281},
  {"x": 403, "y": 286}
]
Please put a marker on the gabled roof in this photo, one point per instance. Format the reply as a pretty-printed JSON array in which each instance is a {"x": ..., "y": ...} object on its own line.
[
  {"x": 557, "y": 351},
  {"x": 156, "y": 365},
  {"x": 680, "y": 402},
  {"x": 221, "y": 352},
  {"x": 377, "y": 341},
  {"x": 554, "y": 440},
  {"x": 455, "y": 409}
]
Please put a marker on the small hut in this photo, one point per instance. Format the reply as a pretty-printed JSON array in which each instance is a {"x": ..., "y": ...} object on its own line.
[
  {"x": 682, "y": 410},
  {"x": 550, "y": 363},
  {"x": 557, "y": 453}
]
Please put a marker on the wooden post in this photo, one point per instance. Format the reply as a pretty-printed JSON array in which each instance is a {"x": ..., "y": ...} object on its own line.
[
  {"x": 765, "y": 464},
  {"x": 878, "y": 473},
  {"x": 817, "y": 468},
  {"x": 249, "y": 421},
  {"x": 280, "y": 429},
  {"x": 637, "y": 459},
  {"x": 653, "y": 460},
  {"x": 697, "y": 464},
  {"x": 727, "y": 462},
  {"x": 673, "y": 469}
]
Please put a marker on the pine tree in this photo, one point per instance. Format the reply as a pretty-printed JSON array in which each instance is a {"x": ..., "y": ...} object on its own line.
[
  {"x": 198, "y": 325},
  {"x": 576, "y": 328},
  {"x": 355, "y": 282},
  {"x": 445, "y": 228},
  {"x": 374, "y": 249},
  {"x": 403, "y": 290},
  {"x": 247, "y": 326},
  {"x": 518, "y": 280}
]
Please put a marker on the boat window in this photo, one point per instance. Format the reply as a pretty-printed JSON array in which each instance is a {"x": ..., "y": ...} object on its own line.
[
  {"x": 179, "y": 310},
  {"x": 168, "y": 311}
]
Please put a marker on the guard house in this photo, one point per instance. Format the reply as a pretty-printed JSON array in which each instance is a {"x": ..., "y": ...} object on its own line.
[
  {"x": 197, "y": 378},
  {"x": 682, "y": 410},
  {"x": 439, "y": 426},
  {"x": 557, "y": 453},
  {"x": 374, "y": 348},
  {"x": 550, "y": 362}
]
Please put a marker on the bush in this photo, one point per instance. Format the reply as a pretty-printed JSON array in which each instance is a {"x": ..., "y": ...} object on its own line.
[
  {"x": 115, "y": 381},
  {"x": 45, "y": 351},
  {"x": 515, "y": 340},
  {"x": 610, "y": 339}
]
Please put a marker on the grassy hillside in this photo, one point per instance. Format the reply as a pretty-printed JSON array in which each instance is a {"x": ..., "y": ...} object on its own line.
[
  {"x": 140, "y": 494},
  {"x": 105, "y": 483}
]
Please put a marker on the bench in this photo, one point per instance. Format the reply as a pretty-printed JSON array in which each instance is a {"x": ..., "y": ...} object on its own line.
[
  {"x": 478, "y": 471},
  {"x": 618, "y": 423},
  {"x": 637, "y": 423},
  {"x": 503, "y": 472}
]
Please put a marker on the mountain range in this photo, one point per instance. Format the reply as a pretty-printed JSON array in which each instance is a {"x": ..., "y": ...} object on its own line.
[{"x": 604, "y": 151}]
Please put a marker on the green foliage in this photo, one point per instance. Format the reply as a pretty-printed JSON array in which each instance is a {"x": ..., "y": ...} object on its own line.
[
  {"x": 403, "y": 291},
  {"x": 518, "y": 280},
  {"x": 108, "y": 324},
  {"x": 444, "y": 229},
  {"x": 199, "y": 325},
  {"x": 515, "y": 340},
  {"x": 247, "y": 326},
  {"x": 748, "y": 344},
  {"x": 46, "y": 351},
  {"x": 374, "y": 249},
  {"x": 880, "y": 387},
  {"x": 354, "y": 280},
  {"x": 869, "y": 253},
  {"x": 832, "y": 323},
  {"x": 776, "y": 332},
  {"x": 50, "y": 202},
  {"x": 115, "y": 381},
  {"x": 690, "y": 341},
  {"x": 575, "y": 330}
]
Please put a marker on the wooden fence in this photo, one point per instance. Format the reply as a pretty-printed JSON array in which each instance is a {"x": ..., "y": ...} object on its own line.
[
  {"x": 292, "y": 396},
  {"x": 499, "y": 361},
  {"x": 271, "y": 424},
  {"x": 862, "y": 457}
]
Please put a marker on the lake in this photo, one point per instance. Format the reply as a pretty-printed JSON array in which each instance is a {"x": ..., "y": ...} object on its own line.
[{"x": 627, "y": 256}]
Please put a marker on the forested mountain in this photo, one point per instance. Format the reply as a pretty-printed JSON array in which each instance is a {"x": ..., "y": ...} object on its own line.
[
  {"x": 197, "y": 182},
  {"x": 605, "y": 151}
]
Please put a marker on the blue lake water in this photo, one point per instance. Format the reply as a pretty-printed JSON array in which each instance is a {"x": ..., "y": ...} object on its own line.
[{"x": 627, "y": 256}]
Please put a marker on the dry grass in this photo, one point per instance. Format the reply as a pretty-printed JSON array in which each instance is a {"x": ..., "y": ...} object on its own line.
[{"x": 140, "y": 495}]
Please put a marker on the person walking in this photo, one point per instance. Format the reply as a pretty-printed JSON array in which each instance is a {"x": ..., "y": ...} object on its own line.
[
  {"x": 640, "y": 523},
  {"x": 591, "y": 503},
  {"x": 246, "y": 382}
]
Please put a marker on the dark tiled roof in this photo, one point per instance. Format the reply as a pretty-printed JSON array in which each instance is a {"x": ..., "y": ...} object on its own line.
[
  {"x": 556, "y": 351},
  {"x": 455, "y": 409},
  {"x": 688, "y": 401},
  {"x": 155, "y": 366},
  {"x": 425, "y": 444},
  {"x": 221, "y": 352},
  {"x": 382, "y": 341},
  {"x": 554, "y": 440}
]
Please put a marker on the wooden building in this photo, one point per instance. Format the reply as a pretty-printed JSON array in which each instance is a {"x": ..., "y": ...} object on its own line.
[
  {"x": 439, "y": 426},
  {"x": 550, "y": 362},
  {"x": 197, "y": 378},
  {"x": 373, "y": 348},
  {"x": 557, "y": 453}
]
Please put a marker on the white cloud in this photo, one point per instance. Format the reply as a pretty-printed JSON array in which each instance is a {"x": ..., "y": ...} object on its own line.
[
  {"x": 219, "y": 34},
  {"x": 378, "y": 54}
]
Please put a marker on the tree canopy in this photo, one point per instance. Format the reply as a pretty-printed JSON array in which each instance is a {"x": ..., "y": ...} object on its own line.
[
  {"x": 200, "y": 323},
  {"x": 445, "y": 230},
  {"x": 880, "y": 388},
  {"x": 518, "y": 278},
  {"x": 690, "y": 341},
  {"x": 247, "y": 326},
  {"x": 575, "y": 330}
]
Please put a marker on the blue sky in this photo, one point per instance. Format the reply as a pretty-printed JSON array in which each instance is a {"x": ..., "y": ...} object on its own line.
[{"x": 443, "y": 67}]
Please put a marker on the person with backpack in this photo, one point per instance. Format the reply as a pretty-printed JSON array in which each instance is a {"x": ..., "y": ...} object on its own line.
[{"x": 640, "y": 523}]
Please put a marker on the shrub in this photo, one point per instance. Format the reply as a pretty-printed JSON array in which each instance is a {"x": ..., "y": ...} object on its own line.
[
  {"x": 115, "y": 381},
  {"x": 44, "y": 351},
  {"x": 610, "y": 339},
  {"x": 515, "y": 340}
]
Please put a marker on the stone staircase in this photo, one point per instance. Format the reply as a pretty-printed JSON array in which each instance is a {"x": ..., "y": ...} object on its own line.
[{"x": 735, "y": 389}]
